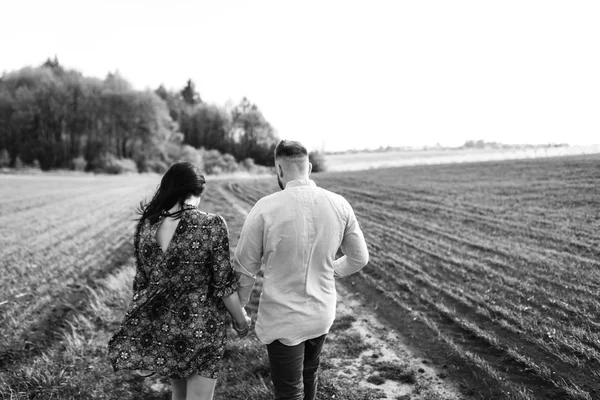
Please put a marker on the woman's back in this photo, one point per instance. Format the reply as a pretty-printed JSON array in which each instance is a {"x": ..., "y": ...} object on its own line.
[
  {"x": 189, "y": 251},
  {"x": 183, "y": 270},
  {"x": 165, "y": 232}
]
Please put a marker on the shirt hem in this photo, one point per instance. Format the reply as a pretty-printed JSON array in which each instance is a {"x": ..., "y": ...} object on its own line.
[{"x": 286, "y": 342}]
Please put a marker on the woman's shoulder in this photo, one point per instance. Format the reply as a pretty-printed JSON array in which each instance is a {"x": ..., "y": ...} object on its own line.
[
  {"x": 145, "y": 226},
  {"x": 143, "y": 232},
  {"x": 206, "y": 217}
]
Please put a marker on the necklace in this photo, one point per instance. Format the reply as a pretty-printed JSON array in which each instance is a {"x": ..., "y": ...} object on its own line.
[{"x": 177, "y": 214}]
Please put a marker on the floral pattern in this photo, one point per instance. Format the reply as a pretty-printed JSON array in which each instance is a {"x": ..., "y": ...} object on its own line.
[{"x": 175, "y": 324}]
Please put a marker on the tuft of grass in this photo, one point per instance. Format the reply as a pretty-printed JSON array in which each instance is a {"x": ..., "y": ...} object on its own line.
[
  {"x": 342, "y": 323},
  {"x": 325, "y": 363},
  {"x": 351, "y": 344},
  {"x": 376, "y": 380},
  {"x": 400, "y": 373}
]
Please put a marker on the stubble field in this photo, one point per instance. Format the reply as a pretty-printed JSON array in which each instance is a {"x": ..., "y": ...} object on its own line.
[{"x": 488, "y": 270}]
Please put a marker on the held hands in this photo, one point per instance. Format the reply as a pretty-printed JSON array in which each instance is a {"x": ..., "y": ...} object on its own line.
[
  {"x": 239, "y": 319},
  {"x": 242, "y": 330}
]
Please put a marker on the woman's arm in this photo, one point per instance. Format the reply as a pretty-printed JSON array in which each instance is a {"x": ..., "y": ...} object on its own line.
[
  {"x": 241, "y": 321},
  {"x": 232, "y": 302},
  {"x": 224, "y": 279}
]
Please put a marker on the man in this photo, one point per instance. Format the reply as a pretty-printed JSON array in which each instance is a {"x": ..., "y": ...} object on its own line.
[{"x": 294, "y": 236}]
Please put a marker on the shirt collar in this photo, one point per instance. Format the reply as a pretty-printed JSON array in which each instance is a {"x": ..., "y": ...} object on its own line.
[{"x": 301, "y": 182}]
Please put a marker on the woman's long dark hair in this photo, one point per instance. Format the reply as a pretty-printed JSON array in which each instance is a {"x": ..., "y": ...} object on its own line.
[{"x": 181, "y": 180}]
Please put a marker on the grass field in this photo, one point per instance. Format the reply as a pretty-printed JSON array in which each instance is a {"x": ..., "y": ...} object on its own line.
[{"x": 488, "y": 270}]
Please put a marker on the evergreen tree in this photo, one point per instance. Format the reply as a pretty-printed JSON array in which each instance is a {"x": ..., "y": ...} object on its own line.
[{"x": 189, "y": 93}]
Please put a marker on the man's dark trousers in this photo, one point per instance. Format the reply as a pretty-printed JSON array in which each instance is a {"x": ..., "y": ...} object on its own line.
[{"x": 294, "y": 368}]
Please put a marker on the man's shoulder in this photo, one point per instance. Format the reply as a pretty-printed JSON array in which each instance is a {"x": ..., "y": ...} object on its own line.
[
  {"x": 337, "y": 198},
  {"x": 267, "y": 203},
  {"x": 269, "y": 199}
]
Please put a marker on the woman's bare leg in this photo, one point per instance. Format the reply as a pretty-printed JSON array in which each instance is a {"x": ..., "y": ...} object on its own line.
[
  {"x": 200, "y": 388},
  {"x": 178, "y": 389}
]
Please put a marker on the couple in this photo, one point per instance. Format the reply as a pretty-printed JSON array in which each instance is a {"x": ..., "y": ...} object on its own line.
[{"x": 184, "y": 283}]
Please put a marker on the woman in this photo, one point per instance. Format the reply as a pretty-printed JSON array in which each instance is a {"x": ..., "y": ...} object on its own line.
[{"x": 184, "y": 283}]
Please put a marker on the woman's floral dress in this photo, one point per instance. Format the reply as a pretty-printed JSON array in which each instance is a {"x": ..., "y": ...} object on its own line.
[{"x": 175, "y": 324}]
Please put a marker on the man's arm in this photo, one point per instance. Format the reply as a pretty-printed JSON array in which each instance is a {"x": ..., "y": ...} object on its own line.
[
  {"x": 248, "y": 254},
  {"x": 354, "y": 247}
]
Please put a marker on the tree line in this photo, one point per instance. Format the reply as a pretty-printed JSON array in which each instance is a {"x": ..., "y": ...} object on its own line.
[{"x": 57, "y": 118}]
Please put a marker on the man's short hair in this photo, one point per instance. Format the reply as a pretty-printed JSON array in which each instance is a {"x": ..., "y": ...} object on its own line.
[{"x": 290, "y": 149}]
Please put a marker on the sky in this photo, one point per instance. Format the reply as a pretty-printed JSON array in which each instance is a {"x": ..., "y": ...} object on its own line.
[{"x": 340, "y": 75}]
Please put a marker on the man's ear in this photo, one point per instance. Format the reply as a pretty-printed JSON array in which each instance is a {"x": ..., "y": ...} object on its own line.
[
  {"x": 280, "y": 170},
  {"x": 309, "y": 168}
]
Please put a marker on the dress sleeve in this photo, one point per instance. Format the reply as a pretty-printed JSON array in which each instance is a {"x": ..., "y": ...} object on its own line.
[
  {"x": 224, "y": 279},
  {"x": 140, "y": 281}
]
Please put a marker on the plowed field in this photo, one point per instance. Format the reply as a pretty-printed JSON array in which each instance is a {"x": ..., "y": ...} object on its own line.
[{"x": 495, "y": 263}]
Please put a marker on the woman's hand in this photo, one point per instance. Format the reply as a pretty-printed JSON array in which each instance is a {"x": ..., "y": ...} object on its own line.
[
  {"x": 242, "y": 329},
  {"x": 239, "y": 319}
]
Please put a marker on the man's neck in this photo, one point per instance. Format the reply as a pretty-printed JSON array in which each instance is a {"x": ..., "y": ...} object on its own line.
[{"x": 298, "y": 178}]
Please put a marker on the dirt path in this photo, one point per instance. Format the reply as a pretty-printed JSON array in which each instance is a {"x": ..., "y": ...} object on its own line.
[
  {"x": 382, "y": 346},
  {"x": 385, "y": 346}
]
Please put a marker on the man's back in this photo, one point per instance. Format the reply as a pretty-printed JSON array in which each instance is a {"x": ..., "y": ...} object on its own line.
[{"x": 297, "y": 233}]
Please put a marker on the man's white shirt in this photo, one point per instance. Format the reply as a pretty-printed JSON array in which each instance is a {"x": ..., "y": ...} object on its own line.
[{"x": 293, "y": 236}]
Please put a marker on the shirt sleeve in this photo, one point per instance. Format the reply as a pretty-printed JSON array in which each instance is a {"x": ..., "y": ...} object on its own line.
[
  {"x": 224, "y": 281},
  {"x": 354, "y": 247},
  {"x": 249, "y": 252}
]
